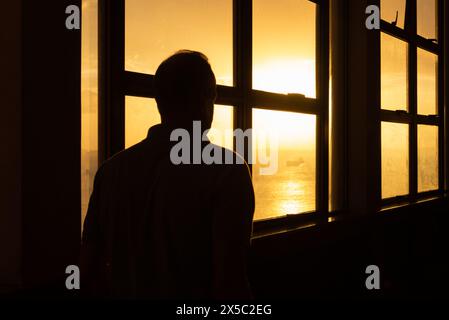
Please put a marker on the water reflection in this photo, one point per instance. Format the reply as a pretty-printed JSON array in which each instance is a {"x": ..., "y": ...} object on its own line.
[{"x": 291, "y": 190}]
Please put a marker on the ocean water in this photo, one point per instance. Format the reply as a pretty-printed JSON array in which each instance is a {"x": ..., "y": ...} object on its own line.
[{"x": 291, "y": 190}]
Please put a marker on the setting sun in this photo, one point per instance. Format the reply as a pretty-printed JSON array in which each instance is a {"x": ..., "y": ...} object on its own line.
[{"x": 286, "y": 75}]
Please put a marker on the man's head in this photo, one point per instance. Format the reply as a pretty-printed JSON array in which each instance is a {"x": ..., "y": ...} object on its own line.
[{"x": 185, "y": 89}]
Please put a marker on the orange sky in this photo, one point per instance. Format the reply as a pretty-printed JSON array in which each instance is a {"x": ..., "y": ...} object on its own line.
[
  {"x": 156, "y": 29},
  {"x": 283, "y": 46}
]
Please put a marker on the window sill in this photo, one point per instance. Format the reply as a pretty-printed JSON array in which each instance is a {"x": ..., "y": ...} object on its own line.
[
  {"x": 389, "y": 208},
  {"x": 304, "y": 222},
  {"x": 273, "y": 226}
]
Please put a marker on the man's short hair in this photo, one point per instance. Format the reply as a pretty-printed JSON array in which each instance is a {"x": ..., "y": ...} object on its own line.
[{"x": 182, "y": 81}]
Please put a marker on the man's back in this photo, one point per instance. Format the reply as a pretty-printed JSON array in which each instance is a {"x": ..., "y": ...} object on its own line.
[{"x": 159, "y": 230}]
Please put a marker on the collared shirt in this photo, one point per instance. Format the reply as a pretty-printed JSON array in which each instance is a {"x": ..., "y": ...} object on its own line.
[{"x": 159, "y": 230}]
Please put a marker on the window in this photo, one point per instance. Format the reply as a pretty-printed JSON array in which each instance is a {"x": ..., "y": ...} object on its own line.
[
  {"x": 393, "y": 73},
  {"x": 393, "y": 11},
  {"x": 427, "y": 158},
  {"x": 221, "y": 131},
  {"x": 285, "y": 66},
  {"x": 411, "y": 104},
  {"x": 284, "y": 46},
  {"x": 427, "y": 18},
  {"x": 140, "y": 115},
  {"x": 89, "y": 101},
  {"x": 292, "y": 189},
  {"x": 156, "y": 29},
  {"x": 395, "y": 159},
  {"x": 271, "y": 64},
  {"x": 427, "y": 82}
]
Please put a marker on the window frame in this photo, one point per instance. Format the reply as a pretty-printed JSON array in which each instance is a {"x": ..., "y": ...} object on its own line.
[
  {"x": 411, "y": 117},
  {"x": 115, "y": 83}
]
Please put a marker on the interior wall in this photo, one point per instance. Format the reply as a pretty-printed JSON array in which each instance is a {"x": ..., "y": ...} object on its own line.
[
  {"x": 10, "y": 140},
  {"x": 51, "y": 142}
]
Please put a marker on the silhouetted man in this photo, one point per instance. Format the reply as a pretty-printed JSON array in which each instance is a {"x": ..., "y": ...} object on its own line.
[{"x": 159, "y": 230}]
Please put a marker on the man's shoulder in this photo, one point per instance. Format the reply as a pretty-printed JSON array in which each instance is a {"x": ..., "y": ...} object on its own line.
[
  {"x": 124, "y": 156},
  {"x": 223, "y": 161},
  {"x": 225, "y": 157},
  {"x": 230, "y": 162}
]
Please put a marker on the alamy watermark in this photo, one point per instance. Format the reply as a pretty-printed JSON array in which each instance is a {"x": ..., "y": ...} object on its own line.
[
  {"x": 73, "y": 20},
  {"x": 72, "y": 281},
  {"x": 372, "y": 22},
  {"x": 373, "y": 279}
]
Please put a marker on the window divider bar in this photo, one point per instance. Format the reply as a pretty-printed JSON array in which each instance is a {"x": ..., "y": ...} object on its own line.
[
  {"x": 111, "y": 126},
  {"x": 399, "y": 117},
  {"x": 444, "y": 25},
  {"x": 242, "y": 48},
  {"x": 228, "y": 96},
  {"x": 322, "y": 92},
  {"x": 338, "y": 122},
  {"x": 427, "y": 194},
  {"x": 138, "y": 84},
  {"x": 373, "y": 182},
  {"x": 412, "y": 102},
  {"x": 442, "y": 141},
  {"x": 428, "y": 120},
  {"x": 282, "y": 102},
  {"x": 403, "y": 35},
  {"x": 395, "y": 116}
]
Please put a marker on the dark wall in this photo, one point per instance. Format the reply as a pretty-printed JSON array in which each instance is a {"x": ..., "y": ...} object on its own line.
[
  {"x": 10, "y": 139},
  {"x": 409, "y": 245},
  {"x": 51, "y": 140},
  {"x": 40, "y": 135}
]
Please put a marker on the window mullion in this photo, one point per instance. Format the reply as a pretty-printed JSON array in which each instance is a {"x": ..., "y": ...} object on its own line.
[
  {"x": 242, "y": 48},
  {"x": 322, "y": 89},
  {"x": 111, "y": 124},
  {"x": 442, "y": 141},
  {"x": 412, "y": 99}
]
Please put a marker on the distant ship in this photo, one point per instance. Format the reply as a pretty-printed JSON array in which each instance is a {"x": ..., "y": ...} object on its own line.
[{"x": 294, "y": 163}]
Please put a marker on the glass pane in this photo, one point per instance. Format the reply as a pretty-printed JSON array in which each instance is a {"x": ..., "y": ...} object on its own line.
[
  {"x": 426, "y": 14},
  {"x": 89, "y": 101},
  {"x": 142, "y": 113},
  {"x": 389, "y": 9},
  {"x": 395, "y": 163},
  {"x": 156, "y": 29},
  {"x": 427, "y": 158},
  {"x": 393, "y": 75},
  {"x": 221, "y": 132},
  {"x": 284, "y": 147},
  {"x": 284, "y": 46},
  {"x": 427, "y": 82}
]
